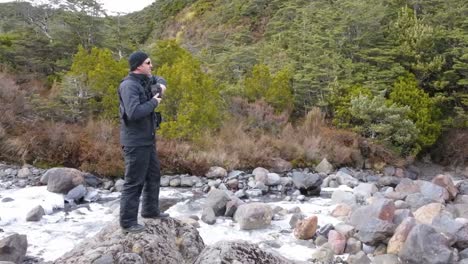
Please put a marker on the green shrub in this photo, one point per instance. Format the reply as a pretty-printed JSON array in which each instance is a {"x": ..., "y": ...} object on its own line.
[
  {"x": 388, "y": 123},
  {"x": 423, "y": 111},
  {"x": 192, "y": 103}
]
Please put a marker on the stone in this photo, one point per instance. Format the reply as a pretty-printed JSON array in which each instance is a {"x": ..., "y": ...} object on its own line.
[
  {"x": 165, "y": 240},
  {"x": 433, "y": 191},
  {"x": 253, "y": 216},
  {"x": 400, "y": 215},
  {"x": 217, "y": 200},
  {"x": 119, "y": 185},
  {"x": 386, "y": 259},
  {"x": 399, "y": 237},
  {"x": 308, "y": 184},
  {"x": 337, "y": 242},
  {"x": 24, "y": 173},
  {"x": 208, "y": 216},
  {"x": 324, "y": 254},
  {"x": 359, "y": 258},
  {"x": 343, "y": 197},
  {"x": 446, "y": 182},
  {"x": 416, "y": 200},
  {"x": 295, "y": 218},
  {"x": 324, "y": 166},
  {"x": 35, "y": 214},
  {"x": 324, "y": 230},
  {"x": 427, "y": 213},
  {"x": 260, "y": 174},
  {"x": 353, "y": 246},
  {"x": 346, "y": 179},
  {"x": 341, "y": 210},
  {"x": 76, "y": 194},
  {"x": 346, "y": 230},
  {"x": 176, "y": 181},
  {"x": 13, "y": 248},
  {"x": 216, "y": 172},
  {"x": 305, "y": 229},
  {"x": 374, "y": 231},
  {"x": 237, "y": 252},
  {"x": 365, "y": 190},
  {"x": 425, "y": 245},
  {"x": 62, "y": 180},
  {"x": 273, "y": 179}
]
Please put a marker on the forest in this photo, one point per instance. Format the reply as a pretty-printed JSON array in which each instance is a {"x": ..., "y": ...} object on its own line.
[{"x": 250, "y": 82}]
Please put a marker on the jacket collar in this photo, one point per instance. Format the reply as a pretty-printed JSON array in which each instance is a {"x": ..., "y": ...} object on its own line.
[{"x": 140, "y": 77}]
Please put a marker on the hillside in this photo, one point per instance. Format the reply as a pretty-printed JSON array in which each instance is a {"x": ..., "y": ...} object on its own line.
[{"x": 393, "y": 72}]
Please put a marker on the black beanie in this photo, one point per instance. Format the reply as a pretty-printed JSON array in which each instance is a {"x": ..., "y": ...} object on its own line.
[{"x": 136, "y": 59}]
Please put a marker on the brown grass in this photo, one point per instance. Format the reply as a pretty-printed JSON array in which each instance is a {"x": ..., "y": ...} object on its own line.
[
  {"x": 452, "y": 148},
  {"x": 254, "y": 136}
]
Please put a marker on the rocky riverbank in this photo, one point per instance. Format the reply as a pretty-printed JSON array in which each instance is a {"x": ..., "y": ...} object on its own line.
[{"x": 368, "y": 217}]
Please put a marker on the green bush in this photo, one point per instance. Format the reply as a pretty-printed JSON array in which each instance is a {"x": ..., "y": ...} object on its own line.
[
  {"x": 387, "y": 123},
  {"x": 423, "y": 111},
  {"x": 192, "y": 103}
]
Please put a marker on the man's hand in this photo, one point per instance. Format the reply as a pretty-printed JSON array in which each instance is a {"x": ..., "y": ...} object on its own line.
[{"x": 158, "y": 98}]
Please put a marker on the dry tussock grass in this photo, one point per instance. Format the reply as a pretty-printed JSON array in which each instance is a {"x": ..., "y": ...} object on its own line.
[
  {"x": 252, "y": 137},
  {"x": 100, "y": 151}
]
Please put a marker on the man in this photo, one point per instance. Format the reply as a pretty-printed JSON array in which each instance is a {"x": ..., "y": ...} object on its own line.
[{"x": 137, "y": 137}]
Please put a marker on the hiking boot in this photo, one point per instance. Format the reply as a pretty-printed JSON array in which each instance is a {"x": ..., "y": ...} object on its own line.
[
  {"x": 155, "y": 216},
  {"x": 133, "y": 229}
]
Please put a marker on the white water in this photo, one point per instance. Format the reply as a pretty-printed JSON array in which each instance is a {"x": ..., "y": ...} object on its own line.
[{"x": 58, "y": 232}]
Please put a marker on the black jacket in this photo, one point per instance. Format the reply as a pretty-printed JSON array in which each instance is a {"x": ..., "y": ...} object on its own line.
[{"x": 137, "y": 117}]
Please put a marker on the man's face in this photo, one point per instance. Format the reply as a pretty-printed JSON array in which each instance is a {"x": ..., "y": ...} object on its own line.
[{"x": 146, "y": 67}]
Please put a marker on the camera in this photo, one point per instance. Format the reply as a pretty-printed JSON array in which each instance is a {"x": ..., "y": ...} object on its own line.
[{"x": 156, "y": 85}]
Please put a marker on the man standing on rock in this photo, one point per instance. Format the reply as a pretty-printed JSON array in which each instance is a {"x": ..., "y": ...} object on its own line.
[{"x": 137, "y": 137}]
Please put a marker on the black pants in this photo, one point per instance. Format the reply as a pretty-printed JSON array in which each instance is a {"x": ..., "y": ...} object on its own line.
[{"x": 142, "y": 173}]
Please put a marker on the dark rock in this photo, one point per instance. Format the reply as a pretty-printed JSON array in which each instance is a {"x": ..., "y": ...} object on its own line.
[
  {"x": 165, "y": 240},
  {"x": 425, "y": 245},
  {"x": 7, "y": 200},
  {"x": 238, "y": 252},
  {"x": 35, "y": 214},
  {"x": 76, "y": 194},
  {"x": 324, "y": 230},
  {"x": 374, "y": 231},
  {"x": 92, "y": 180},
  {"x": 208, "y": 216},
  {"x": 307, "y": 183},
  {"x": 13, "y": 248}
]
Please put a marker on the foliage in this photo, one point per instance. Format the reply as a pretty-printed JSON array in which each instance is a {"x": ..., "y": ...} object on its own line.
[
  {"x": 388, "y": 123},
  {"x": 333, "y": 55},
  {"x": 192, "y": 103},
  {"x": 275, "y": 90},
  {"x": 98, "y": 75},
  {"x": 423, "y": 110},
  {"x": 340, "y": 98}
]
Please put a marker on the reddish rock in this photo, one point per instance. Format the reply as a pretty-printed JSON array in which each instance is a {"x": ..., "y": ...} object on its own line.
[
  {"x": 337, "y": 242},
  {"x": 305, "y": 229},
  {"x": 446, "y": 182}
]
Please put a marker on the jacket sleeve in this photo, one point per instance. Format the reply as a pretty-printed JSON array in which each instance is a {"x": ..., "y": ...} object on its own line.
[{"x": 131, "y": 101}]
